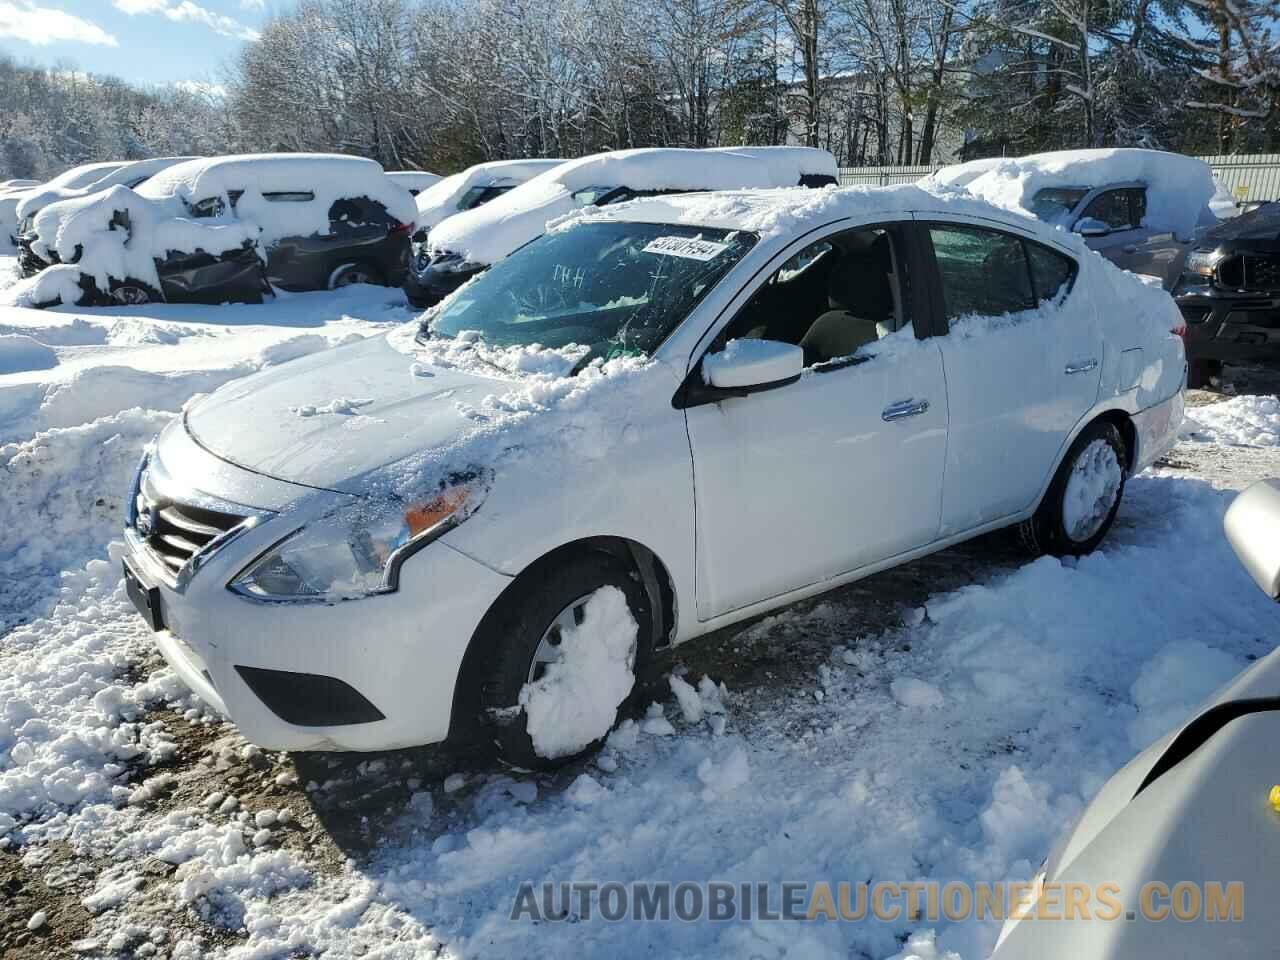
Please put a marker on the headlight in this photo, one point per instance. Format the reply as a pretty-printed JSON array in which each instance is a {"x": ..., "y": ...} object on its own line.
[
  {"x": 1203, "y": 262},
  {"x": 357, "y": 550},
  {"x": 28, "y": 224},
  {"x": 455, "y": 264}
]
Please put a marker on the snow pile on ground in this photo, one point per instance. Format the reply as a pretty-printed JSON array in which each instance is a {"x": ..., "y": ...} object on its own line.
[
  {"x": 19, "y": 352},
  {"x": 576, "y": 701},
  {"x": 1178, "y": 187},
  {"x": 1246, "y": 420}
]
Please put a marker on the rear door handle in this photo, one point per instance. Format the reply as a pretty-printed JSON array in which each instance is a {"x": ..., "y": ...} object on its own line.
[
  {"x": 1082, "y": 366},
  {"x": 903, "y": 409}
]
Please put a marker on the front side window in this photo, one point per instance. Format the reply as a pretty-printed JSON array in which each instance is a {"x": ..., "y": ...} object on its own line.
[
  {"x": 479, "y": 196},
  {"x": 1054, "y": 203},
  {"x": 1112, "y": 208},
  {"x": 618, "y": 288},
  {"x": 208, "y": 207},
  {"x": 834, "y": 298},
  {"x": 983, "y": 273}
]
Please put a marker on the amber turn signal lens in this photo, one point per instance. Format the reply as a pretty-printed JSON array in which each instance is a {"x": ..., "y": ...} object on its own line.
[{"x": 421, "y": 517}]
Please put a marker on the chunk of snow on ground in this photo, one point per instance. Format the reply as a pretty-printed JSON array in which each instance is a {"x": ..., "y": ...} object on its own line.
[
  {"x": 19, "y": 352},
  {"x": 723, "y": 776},
  {"x": 1180, "y": 676},
  {"x": 687, "y": 697},
  {"x": 576, "y": 701},
  {"x": 585, "y": 790},
  {"x": 656, "y": 722},
  {"x": 912, "y": 692},
  {"x": 346, "y": 406},
  {"x": 1246, "y": 420}
]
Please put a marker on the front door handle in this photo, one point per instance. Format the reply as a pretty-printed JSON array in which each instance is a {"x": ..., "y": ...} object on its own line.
[
  {"x": 903, "y": 409},
  {"x": 1082, "y": 366}
]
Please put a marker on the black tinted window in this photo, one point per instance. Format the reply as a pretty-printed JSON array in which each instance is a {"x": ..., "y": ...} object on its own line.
[
  {"x": 983, "y": 273},
  {"x": 1112, "y": 208},
  {"x": 289, "y": 196},
  {"x": 358, "y": 211},
  {"x": 1052, "y": 272}
]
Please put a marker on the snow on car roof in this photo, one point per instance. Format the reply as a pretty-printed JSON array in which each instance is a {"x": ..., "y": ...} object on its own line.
[
  {"x": 440, "y": 200},
  {"x": 789, "y": 164},
  {"x": 112, "y": 174},
  {"x": 489, "y": 233},
  {"x": 1178, "y": 187},
  {"x": 269, "y": 172},
  {"x": 792, "y": 212}
]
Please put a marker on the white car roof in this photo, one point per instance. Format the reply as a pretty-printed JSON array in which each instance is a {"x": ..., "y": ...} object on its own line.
[
  {"x": 440, "y": 200},
  {"x": 1178, "y": 187},
  {"x": 267, "y": 172},
  {"x": 489, "y": 233}
]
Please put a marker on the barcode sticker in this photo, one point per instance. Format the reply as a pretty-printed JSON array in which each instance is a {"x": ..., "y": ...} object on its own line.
[{"x": 691, "y": 248}]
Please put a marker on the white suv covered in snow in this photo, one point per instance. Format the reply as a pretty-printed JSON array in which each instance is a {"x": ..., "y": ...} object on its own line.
[{"x": 653, "y": 421}]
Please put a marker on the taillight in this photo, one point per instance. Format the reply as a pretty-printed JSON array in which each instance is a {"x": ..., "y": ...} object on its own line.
[
  {"x": 1180, "y": 330},
  {"x": 400, "y": 228}
]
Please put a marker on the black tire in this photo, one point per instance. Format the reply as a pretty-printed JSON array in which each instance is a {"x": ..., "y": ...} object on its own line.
[
  {"x": 1200, "y": 372},
  {"x": 346, "y": 274},
  {"x": 510, "y": 635},
  {"x": 1046, "y": 531},
  {"x": 133, "y": 293}
]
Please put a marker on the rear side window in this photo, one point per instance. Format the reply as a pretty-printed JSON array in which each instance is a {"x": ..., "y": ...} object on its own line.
[
  {"x": 1119, "y": 209},
  {"x": 290, "y": 196},
  {"x": 984, "y": 273},
  {"x": 1051, "y": 272},
  {"x": 359, "y": 211}
]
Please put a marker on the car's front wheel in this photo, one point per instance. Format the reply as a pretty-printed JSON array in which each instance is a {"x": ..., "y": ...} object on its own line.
[
  {"x": 561, "y": 654},
  {"x": 349, "y": 273},
  {"x": 132, "y": 294},
  {"x": 1082, "y": 502}
]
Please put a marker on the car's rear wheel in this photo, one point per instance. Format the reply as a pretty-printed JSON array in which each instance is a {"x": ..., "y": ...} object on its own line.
[
  {"x": 349, "y": 273},
  {"x": 132, "y": 294},
  {"x": 1082, "y": 502},
  {"x": 526, "y": 639},
  {"x": 1200, "y": 372}
]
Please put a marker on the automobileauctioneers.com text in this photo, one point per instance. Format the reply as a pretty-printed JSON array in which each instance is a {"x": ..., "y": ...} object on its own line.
[{"x": 884, "y": 900}]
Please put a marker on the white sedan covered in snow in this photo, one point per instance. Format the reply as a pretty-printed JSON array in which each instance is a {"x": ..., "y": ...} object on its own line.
[{"x": 655, "y": 420}]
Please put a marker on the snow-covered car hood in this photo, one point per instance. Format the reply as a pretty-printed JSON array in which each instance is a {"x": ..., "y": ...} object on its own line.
[{"x": 329, "y": 419}]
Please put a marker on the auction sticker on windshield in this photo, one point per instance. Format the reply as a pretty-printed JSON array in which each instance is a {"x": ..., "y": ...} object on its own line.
[{"x": 692, "y": 248}]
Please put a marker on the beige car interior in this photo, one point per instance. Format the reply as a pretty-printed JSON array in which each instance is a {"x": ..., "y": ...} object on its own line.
[{"x": 832, "y": 298}]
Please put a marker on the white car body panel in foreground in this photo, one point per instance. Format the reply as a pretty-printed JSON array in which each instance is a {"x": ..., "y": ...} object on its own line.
[
  {"x": 1205, "y": 819},
  {"x": 747, "y": 503}
]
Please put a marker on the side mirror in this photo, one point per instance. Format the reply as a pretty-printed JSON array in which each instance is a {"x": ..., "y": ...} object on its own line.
[
  {"x": 742, "y": 368},
  {"x": 1089, "y": 227},
  {"x": 420, "y": 235},
  {"x": 1252, "y": 525}
]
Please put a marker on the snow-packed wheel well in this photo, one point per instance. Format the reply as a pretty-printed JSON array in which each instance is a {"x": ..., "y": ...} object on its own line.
[{"x": 644, "y": 563}]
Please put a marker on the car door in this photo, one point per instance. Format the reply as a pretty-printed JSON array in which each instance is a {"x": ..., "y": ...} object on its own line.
[
  {"x": 1022, "y": 356},
  {"x": 842, "y": 468}
]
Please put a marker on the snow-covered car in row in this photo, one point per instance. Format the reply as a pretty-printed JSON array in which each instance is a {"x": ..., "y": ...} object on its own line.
[
  {"x": 75, "y": 178},
  {"x": 1138, "y": 208},
  {"x": 468, "y": 243},
  {"x": 491, "y": 522},
  {"x": 1190, "y": 818},
  {"x": 130, "y": 174},
  {"x": 1229, "y": 294},
  {"x": 415, "y": 181},
  {"x": 473, "y": 187},
  {"x": 224, "y": 229}
]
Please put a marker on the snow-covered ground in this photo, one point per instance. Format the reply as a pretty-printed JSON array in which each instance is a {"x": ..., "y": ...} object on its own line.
[{"x": 942, "y": 721}]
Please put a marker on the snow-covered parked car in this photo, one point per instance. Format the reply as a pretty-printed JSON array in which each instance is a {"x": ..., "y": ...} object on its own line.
[
  {"x": 130, "y": 174},
  {"x": 1188, "y": 832},
  {"x": 473, "y": 187},
  {"x": 490, "y": 522},
  {"x": 75, "y": 178},
  {"x": 1138, "y": 208},
  {"x": 415, "y": 181},
  {"x": 224, "y": 229},
  {"x": 468, "y": 243}
]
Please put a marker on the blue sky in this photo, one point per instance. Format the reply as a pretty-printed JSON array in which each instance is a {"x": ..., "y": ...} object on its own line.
[{"x": 142, "y": 41}]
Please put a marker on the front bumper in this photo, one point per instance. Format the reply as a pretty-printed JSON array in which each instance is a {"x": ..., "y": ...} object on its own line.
[
  {"x": 400, "y": 652},
  {"x": 1229, "y": 326}
]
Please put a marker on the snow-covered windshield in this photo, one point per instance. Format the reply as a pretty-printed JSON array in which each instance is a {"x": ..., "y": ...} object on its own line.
[
  {"x": 619, "y": 288},
  {"x": 1054, "y": 203}
]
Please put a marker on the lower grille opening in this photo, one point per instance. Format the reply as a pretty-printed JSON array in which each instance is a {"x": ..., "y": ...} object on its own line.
[{"x": 309, "y": 699}]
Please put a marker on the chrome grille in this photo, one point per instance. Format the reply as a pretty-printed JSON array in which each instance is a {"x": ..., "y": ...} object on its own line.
[{"x": 173, "y": 531}]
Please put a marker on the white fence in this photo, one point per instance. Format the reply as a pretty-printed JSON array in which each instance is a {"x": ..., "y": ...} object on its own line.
[{"x": 1252, "y": 177}]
